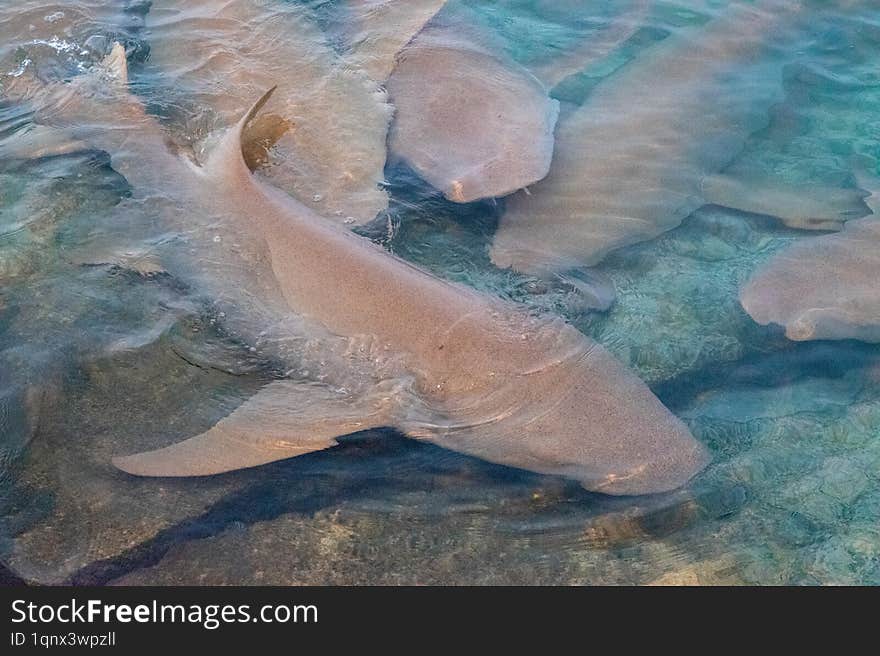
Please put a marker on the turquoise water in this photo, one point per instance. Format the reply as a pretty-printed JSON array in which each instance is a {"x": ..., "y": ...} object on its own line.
[{"x": 98, "y": 359}]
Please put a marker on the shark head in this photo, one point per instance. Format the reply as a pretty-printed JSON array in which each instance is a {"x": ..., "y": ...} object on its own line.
[
  {"x": 592, "y": 420},
  {"x": 577, "y": 412}
]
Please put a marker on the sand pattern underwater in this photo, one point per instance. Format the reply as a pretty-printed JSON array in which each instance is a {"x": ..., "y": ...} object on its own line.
[{"x": 128, "y": 324}]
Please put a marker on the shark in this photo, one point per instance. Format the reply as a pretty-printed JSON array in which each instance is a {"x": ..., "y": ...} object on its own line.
[
  {"x": 824, "y": 287},
  {"x": 471, "y": 123},
  {"x": 464, "y": 370},
  {"x": 649, "y": 145}
]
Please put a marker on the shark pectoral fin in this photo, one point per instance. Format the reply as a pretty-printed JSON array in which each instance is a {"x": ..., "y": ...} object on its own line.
[
  {"x": 580, "y": 289},
  {"x": 806, "y": 208},
  {"x": 285, "y": 419},
  {"x": 38, "y": 142},
  {"x": 592, "y": 289},
  {"x": 259, "y": 136}
]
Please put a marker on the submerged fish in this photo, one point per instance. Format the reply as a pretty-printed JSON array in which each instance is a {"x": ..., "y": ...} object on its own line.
[
  {"x": 642, "y": 153},
  {"x": 823, "y": 287},
  {"x": 594, "y": 49},
  {"x": 470, "y": 123},
  {"x": 469, "y": 120},
  {"x": 478, "y": 375}
]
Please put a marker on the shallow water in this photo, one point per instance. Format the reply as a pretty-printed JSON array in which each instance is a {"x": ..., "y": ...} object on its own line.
[{"x": 107, "y": 355}]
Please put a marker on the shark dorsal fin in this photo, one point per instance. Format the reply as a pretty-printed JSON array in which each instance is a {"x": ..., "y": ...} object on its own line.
[
  {"x": 244, "y": 146},
  {"x": 254, "y": 110}
]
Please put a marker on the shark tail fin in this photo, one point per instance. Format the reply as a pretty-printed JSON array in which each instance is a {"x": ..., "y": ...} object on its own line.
[
  {"x": 97, "y": 95},
  {"x": 283, "y": 420},
  {"x": 27, "y": 86}
]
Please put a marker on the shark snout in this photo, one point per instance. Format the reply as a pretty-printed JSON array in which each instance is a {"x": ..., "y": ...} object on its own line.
[
  {"x": 599, "y": 424},
  {"x": 662, "y": 473}
]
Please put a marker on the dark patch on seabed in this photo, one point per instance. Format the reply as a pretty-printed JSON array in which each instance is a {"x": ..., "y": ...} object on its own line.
[
  {"x": 373, "y": 464},
  {"x": 375, "y": 468},
  {"x": 776, "y": 363}
]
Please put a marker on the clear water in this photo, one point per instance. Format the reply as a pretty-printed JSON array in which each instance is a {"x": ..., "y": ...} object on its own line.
[{"x": 97, "y": 360}]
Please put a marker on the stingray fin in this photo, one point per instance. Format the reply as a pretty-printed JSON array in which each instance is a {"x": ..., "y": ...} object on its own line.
[
  {"x": 283, "y": 420},
  {"x": 806, "y": 208}
]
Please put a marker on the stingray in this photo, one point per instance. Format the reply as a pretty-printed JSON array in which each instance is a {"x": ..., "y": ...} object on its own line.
[
  {"x": 221, "y": 54},
  {"x": 646, "y": 148},
  {"x": 452, "y": 366},
  {"x": 823, "y": 287}
]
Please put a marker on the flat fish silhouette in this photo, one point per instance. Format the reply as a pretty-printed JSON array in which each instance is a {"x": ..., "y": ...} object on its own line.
[
  {"x": 823, "y": 287},
  {"x": 483, "y": 377},
  {"x": 470, "y": 123},
  {"x": 642, "y": 153}
]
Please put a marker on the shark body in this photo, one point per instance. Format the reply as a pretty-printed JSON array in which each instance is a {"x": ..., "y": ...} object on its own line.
[
  {"x": 824, "y": 287},
  {"x": 471, "y": 373},
  {"x": 645, "y": 149}
]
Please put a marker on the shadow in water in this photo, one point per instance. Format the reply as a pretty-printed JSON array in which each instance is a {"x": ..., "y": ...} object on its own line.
[
  {"x": 378, "y": 469},
  {"x": 8, "y": 578},
  {"x": 373, "y": 465}
]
